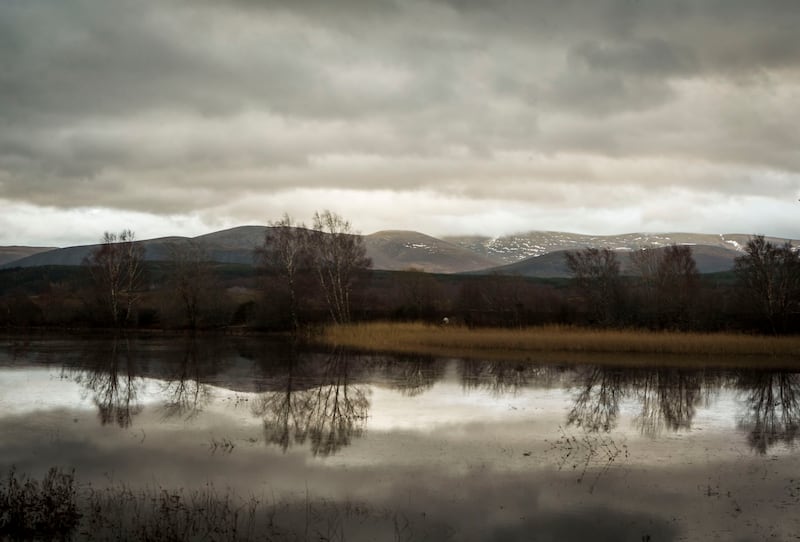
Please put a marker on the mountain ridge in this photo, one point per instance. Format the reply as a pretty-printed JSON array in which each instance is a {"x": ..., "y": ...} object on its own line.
[{"x": 519, "y": 253}]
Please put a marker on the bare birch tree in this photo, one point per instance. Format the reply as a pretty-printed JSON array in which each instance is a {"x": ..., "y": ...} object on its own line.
[
  {"x": 117, "y": 268},
  {"x": 286, "y": 249},
  {"x": 770, "y": 276},
  {"x": 338, "y": 255}
]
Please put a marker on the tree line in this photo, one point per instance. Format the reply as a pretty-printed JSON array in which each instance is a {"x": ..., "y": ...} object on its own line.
[
  {"x": 666, "y": 290},
  {"x": 305, "y": 276}
]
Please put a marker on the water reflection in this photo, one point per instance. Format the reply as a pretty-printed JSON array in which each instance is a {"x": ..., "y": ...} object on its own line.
[
  {"x": 413, "y": 375},
  {"x": 111, "y": 374},
  {"x": 597, "y": 402},
  {"x": 322, "y": 400},
  {"x": 185, "y": 393},
  {"x": 315, "y": 402},
  {"x": 772, "y": 402},
  {"x": 667, "y": 400}
]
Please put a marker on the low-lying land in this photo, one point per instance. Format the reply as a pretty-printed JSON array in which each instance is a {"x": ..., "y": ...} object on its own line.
[{"x": 568, "y": 344}]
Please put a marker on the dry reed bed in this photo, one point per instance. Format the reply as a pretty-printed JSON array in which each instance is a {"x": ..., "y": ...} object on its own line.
[{"x": 559, "y": 343}]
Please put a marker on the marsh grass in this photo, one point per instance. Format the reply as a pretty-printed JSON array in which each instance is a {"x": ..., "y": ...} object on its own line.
[
  {"x": 56, "y": 508},
  {"x": 34, "y": 510},
  {"x": 567, "y": 344},
  {"x": 119, "y": 512}
]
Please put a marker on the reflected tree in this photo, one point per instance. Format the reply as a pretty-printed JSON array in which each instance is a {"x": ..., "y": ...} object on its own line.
[
  {"x": 668, "y": 398},
  {"x": 324, "y": 408},
  {"x": 413, "y": 375},
  {"x": 596, "y": 406},
  {"x": 773, "y": 407},
  {"x": 111, "y": 378},
  {"x": 185, "y": 393},
  {"x": 285, "y": 411},
  {"x": 498, "y": 377},
  {"x": 338, "y": 410}
]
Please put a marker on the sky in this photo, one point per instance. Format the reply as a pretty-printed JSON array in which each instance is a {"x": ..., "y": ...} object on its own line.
[{"x": 449, "y": 117}]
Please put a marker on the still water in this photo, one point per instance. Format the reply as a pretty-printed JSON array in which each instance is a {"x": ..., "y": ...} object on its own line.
[{"x": 357, "y": 447}]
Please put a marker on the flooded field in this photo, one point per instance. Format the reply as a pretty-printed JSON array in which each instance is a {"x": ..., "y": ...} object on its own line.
[{"x": 315, "y": 445}]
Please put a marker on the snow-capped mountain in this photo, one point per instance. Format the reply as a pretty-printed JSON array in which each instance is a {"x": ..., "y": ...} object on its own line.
[
  {"x": 513, "y": 248},
  {"x": 401, "y": 250}
]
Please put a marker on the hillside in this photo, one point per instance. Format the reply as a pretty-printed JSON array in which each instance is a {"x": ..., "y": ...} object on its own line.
[
  {"x": 709, "y": 259},
  {"x": 13, "y": 253},
  {"x": 399, "y": 250},
  {"x": 393, "y": 250},
  {"x": 517, "y": 247},
  {"x": 535, "y": 254}
]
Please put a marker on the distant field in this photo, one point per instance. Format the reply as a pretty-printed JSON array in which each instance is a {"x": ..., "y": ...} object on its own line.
[{"x": 569, "y": 344}]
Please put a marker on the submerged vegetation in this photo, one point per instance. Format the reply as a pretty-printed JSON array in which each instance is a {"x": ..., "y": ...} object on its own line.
[
  {"x": 57, "y": 509},
  {"x": 562, "y": 343},
  {"x": 30, "y": 509}
]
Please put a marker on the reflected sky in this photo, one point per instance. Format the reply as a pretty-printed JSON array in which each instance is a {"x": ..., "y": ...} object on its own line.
[{"x": 467, "y": 450}]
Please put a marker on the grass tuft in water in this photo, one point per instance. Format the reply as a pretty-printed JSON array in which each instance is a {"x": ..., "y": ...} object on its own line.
[{"x": 30, "y": 509}]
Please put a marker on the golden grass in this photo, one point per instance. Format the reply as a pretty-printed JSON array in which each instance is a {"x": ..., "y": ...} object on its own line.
[{"x": 566, "y": 344}]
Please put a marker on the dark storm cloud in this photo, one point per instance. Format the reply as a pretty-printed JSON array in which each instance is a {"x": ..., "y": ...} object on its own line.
[{"x": 194, "y": 102}]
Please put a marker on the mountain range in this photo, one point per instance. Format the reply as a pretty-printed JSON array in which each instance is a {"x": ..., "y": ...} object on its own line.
[{"x": 535, "y": 254}]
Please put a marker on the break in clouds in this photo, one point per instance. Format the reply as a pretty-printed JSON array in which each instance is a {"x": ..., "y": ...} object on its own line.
[{"x": 453, "y": 116}]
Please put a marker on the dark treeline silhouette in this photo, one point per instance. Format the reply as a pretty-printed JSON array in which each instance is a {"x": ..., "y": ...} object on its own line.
[{"x": 310, "y": 276}]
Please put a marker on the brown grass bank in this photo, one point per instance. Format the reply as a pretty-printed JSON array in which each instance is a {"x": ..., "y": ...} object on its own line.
[{"x": 569, "y": 344}]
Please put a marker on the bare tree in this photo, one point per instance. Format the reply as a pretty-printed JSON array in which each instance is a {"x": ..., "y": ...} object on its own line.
[
  {"x": 677, "y": 281},
  {"x": 644, "y": 263},
  {"x": 339, "y": 255},
  {"x": 669, "y": 283},
  {"x": 596, "y": 272},
  {"x": 286, "y": 249},
  {"x": 116, "y": 266},
  {"x": 770, "y": 277},
  {"x": 191, "y": 278}
]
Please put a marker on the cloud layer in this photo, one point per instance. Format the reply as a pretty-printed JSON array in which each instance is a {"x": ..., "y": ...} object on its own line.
[{"x": 443, "y": 116}]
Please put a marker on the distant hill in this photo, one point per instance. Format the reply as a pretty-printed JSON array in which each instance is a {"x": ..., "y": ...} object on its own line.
[
  {"x": 392, "y": 250},
  {"x": 399, "y": 250},
  {"x": 10, "y": 254},
  {"x": 709, "y": 259},
  {"x": 535, "y": 254},
  {"x": 517, "y": 247}
]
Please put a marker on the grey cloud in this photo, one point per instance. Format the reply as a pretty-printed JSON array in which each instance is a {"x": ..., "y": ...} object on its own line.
[
  {"x": 645, "y": 57},
  {"x": 127, "y": 104}
]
